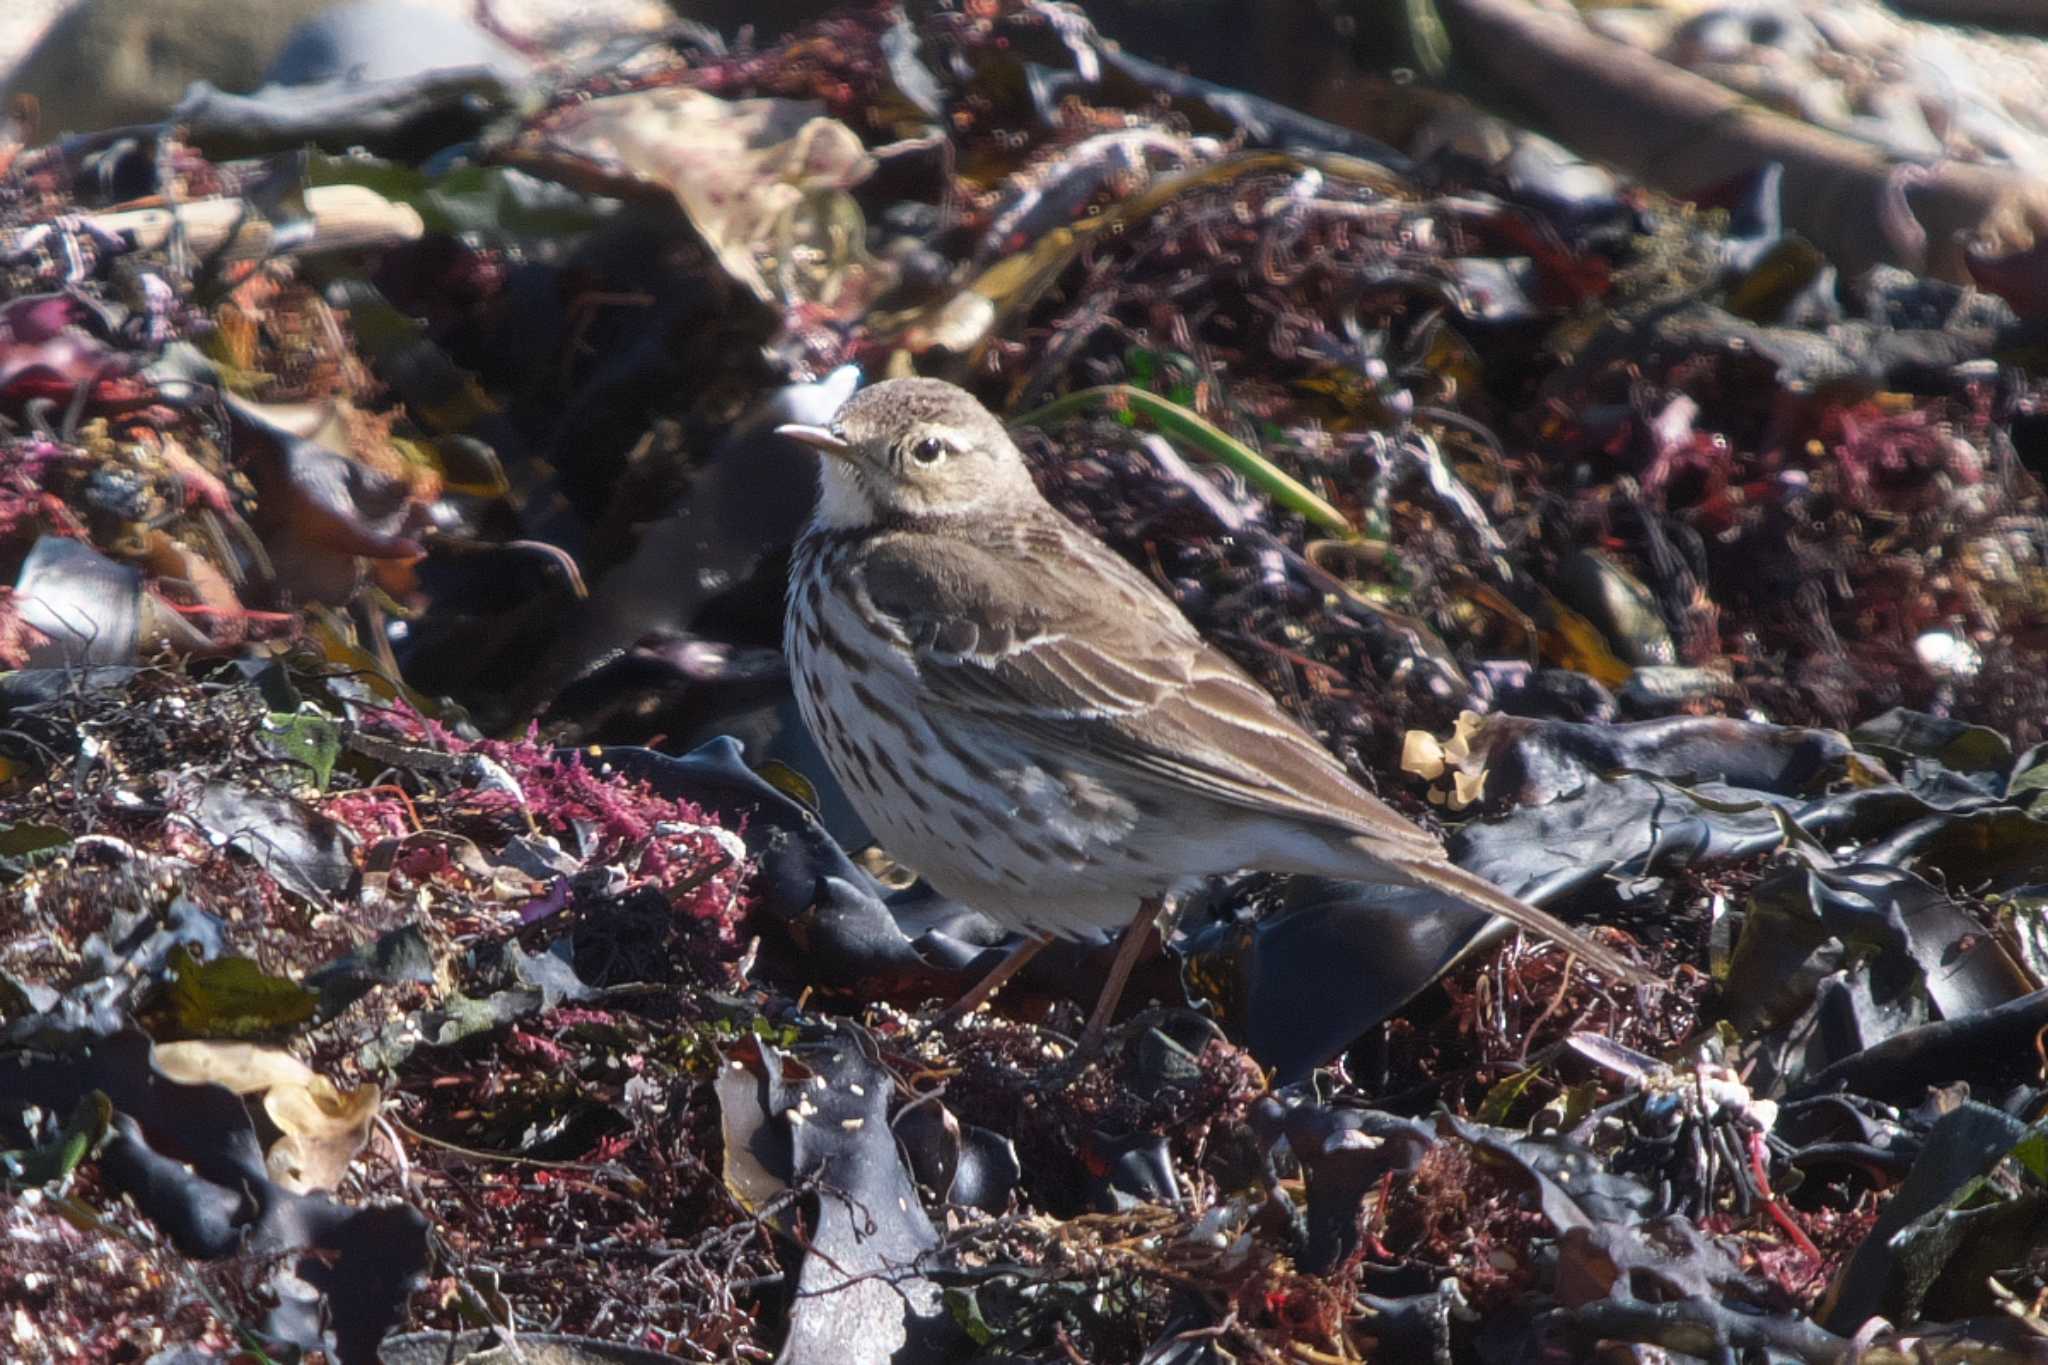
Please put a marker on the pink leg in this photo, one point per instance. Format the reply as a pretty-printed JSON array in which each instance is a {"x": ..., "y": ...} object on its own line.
[
  {"x": 1137, "y": 934},
  {"x": 984, "y": 990}
]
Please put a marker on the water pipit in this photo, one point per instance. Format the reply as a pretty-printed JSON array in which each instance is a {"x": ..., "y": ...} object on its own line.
[{"x": 1025, "y": 719}]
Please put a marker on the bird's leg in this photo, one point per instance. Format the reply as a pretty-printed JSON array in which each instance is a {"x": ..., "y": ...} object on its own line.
[
  {"x": 1136, "y": 934},
  {"x": 984, "y": 990}
]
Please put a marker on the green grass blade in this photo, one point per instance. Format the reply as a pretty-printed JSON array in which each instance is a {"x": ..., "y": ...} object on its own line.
[{"x": 1177, "y": 423}]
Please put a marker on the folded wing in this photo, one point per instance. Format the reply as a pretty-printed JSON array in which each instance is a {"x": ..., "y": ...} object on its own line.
[{"x": 1053, "y": 637}]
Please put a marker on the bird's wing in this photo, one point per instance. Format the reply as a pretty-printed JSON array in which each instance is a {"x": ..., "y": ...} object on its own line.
[{"x": 1044, "y": 632}]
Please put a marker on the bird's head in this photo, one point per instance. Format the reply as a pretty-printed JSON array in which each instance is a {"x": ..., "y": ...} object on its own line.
[{"x": 913, "y": 449}]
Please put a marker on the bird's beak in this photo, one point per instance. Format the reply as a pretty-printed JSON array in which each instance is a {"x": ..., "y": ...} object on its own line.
[{"x": 819, "y": 439}]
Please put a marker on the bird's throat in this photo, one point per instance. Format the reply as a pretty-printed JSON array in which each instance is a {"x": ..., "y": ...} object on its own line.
[{"x": 845, "y": 502}]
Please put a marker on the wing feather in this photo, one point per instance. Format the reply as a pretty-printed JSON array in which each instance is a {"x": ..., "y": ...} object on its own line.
[{"x": 1051, "y": 636}]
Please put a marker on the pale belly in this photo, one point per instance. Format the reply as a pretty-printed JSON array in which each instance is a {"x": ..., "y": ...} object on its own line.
[{"x": 1034, "y": 846}]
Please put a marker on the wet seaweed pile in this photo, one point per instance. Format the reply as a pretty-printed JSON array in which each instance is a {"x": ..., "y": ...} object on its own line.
[{"x": 424, "y": 923}]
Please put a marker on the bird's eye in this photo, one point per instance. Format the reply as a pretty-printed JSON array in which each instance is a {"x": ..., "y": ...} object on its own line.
[{"x": 928, "y": 451}]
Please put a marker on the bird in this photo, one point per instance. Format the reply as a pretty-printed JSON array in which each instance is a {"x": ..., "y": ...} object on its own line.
[{"x": 1030, "y": 723}]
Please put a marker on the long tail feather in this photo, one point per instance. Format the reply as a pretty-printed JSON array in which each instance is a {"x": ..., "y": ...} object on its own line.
[{"x": 1448, "y": 877}]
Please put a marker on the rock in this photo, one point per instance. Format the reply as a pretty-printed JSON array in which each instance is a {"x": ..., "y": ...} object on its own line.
[
  {"x": 378, "y": 40},
  {"x": 112, "y": 62}
]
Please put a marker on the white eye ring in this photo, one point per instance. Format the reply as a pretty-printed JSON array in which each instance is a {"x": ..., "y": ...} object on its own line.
[{"x": 929, "y": 450}]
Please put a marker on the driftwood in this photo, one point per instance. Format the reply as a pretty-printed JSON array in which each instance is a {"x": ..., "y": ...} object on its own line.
[
  {"x": 1682, "y": 132},
  {"x": 344, "y": 218}
]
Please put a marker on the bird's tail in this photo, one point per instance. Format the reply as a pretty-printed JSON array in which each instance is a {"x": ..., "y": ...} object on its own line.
[{"x": 1473, "y": 889}]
